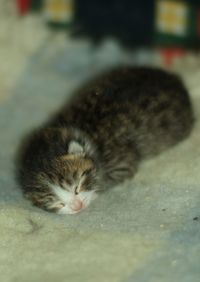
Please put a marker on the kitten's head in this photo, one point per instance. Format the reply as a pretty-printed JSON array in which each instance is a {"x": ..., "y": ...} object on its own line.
[{"x": 60, "y": 173}]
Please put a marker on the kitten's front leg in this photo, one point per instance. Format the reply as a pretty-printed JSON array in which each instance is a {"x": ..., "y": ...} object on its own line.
[
  {"x": 121, "y": 166},
  {"x": 119, "y": 173}
]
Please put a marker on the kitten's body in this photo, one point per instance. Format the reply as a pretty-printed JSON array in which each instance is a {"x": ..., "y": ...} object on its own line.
[{"x": 115, "y": 121}]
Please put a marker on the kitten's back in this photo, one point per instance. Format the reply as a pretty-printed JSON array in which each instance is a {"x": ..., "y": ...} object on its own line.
[{"x": 147, "y": 106}]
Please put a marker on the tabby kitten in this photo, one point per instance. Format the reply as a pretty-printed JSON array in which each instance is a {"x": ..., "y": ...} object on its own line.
[{"x": 99, "y": 138}]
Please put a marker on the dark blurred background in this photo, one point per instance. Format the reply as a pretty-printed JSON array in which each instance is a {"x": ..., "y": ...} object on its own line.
[{"x": 170, "y": 25}]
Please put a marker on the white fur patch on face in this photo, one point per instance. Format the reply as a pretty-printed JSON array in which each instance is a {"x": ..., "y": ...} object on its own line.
[
  {"x": 87, "y": 197},
  {"x": 72, "y": 203},
  {"x": 64, "y": 195}
]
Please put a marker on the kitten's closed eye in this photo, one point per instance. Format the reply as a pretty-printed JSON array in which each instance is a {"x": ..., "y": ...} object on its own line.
[
  {"x": 76, "y": 192},
  {"x": 87, "y": 172},
  {"x": 69, "y": 182}
]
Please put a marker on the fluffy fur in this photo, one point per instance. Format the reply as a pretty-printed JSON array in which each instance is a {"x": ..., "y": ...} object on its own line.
[{"x": 99, "y": 138}]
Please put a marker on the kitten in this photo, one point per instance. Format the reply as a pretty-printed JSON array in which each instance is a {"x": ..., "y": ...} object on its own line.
[{"x": 99, "y": 138}]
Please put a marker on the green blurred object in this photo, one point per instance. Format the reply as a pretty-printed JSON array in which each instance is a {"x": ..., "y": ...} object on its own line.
[
  {"x": 176, "y": 23},
  {"x": 59, "y": 13},
  {"x": 36, "y": 5}
]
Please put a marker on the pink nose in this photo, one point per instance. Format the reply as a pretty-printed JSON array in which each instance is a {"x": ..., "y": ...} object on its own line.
[{"x": 76, "y": 205}]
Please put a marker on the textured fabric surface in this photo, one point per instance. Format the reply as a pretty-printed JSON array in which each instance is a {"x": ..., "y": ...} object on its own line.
[{"x": 145, "y": 230}]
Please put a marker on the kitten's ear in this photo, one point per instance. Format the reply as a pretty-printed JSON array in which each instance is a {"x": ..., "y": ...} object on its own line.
[{"x": 75, "y": 148}]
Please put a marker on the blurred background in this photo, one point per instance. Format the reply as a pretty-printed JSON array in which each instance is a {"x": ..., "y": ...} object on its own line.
[
  {"x": 80, "y": 38},
  {"x": 170, "y": 28},
  {"x": 76, "y": 39},
  {"x": 64, "y": 42}
]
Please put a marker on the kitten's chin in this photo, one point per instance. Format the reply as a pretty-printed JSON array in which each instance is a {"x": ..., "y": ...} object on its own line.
[{"x": 67, "y": 210}]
